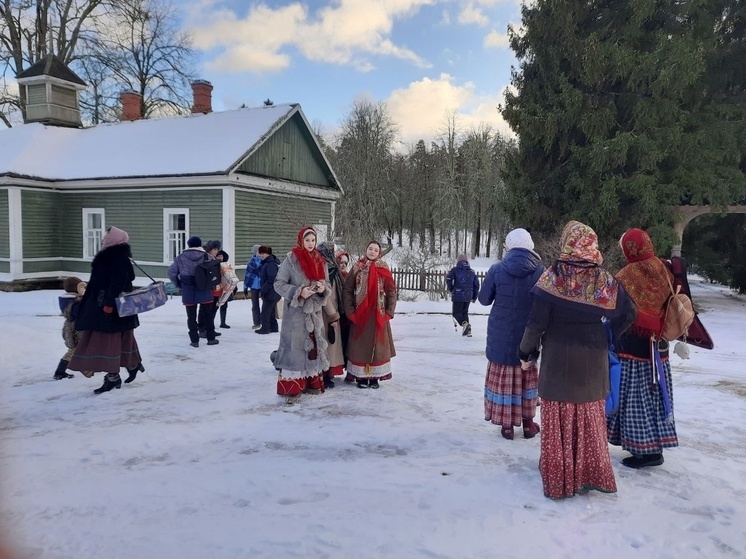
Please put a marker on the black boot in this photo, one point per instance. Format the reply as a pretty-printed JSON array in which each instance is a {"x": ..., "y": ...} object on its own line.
[
  {"x": 328, "y": 382},
  {"x": 223, "y": 313},
  {"x": 133, "y": 373},
  {"x": 61, "y": 371},
  {"x": 111, "y": 380}
]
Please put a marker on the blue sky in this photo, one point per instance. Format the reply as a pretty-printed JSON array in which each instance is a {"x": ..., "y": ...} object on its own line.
[{"x": 424, "y": 58}]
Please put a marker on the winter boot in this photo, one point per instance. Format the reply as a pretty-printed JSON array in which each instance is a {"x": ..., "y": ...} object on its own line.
[
  {"x": 61, "y": 371},
  {"x": 507, "y": 432},
  {"x": 643, "y": 460},
  {"x": 111, "y": 380},
  {"x": 133, "y": 373},
  {"x": 530, "y": 428},
  {"x": 223, "y": 313},
  {"x": 328, "y": 382}
]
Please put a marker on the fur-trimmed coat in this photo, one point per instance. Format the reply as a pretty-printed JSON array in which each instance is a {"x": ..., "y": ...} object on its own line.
[
  {"x": 300, "y": 318},
  {"x": 111, "y": 274}
]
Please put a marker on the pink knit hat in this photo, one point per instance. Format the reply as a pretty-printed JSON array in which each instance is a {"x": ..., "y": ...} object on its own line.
[{"x": 114, "y": 236}]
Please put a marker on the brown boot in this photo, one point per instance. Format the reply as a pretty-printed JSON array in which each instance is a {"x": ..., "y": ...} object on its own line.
[
  {"x": 530, "y": 428},
  {"x": 507, "y": 432}
]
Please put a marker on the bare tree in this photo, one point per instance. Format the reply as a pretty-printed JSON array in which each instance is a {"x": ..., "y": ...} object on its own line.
[
  {"x": 32, "y": 29},
  {"x": 139, "y": 47},
  {"x": 363, "y": 159}
]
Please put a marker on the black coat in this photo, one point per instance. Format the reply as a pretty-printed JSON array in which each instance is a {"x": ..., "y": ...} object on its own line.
[
  {"x": 267, "y": 274},
  {"x": 111, "y": 274}
]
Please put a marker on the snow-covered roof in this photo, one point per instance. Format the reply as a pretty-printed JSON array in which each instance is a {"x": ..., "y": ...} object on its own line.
[{"x": 196, "y": 144}]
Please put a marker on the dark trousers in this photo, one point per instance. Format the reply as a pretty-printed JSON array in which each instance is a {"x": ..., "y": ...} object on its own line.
[
  {"x": 461, "y": 312},
  {"x": 255, "y": 312},
  {"x": 206, "y": 313},
  {"x": 223, "y": 313},
  {"x": 268, "y": 317}
]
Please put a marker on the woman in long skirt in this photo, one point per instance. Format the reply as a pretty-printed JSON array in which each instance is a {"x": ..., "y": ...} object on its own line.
[
  {"x": 333, "y": 312},
  {"x": 510, "y": 393},
  {"x": 369, "y": 302},
  {"x": 643, "y": 424},
  {"x": 303, "y": 282},
  {"x": 570, "y": 300},
  {"x": 108, "y": 340}
]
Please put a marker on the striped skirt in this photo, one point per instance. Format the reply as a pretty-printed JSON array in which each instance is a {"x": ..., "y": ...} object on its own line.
[
  {"x": 574, "y": 452},
  {"x": 640, "y": 425},
  {"x": 510, "y": 394}
]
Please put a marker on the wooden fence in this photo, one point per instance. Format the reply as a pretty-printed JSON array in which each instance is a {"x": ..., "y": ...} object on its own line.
[{"x": 424, "y": 281}]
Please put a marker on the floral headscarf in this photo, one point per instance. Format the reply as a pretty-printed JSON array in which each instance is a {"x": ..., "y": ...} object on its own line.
[
  {"x": 372, "y": 278},
  {"x": 577, "y": 278},
  {"x": 645, "y": 278}
]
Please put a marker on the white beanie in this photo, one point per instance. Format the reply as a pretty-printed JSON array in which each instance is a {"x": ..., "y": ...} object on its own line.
[{"x": 519, "y": 238}]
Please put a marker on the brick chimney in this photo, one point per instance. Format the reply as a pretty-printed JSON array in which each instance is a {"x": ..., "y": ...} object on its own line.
[
  {"x": 202, "y": 90},
  {"x": 131, "y": 105}
]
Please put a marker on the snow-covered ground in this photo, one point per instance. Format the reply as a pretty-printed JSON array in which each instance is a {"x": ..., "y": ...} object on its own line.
[{"x": 200, "y": 459}]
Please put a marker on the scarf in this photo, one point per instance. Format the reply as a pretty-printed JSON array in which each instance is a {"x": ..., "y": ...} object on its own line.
[
  {"x": 311, "y": 262},
  {"x": 335, "y": 274},
  {"x": 114, "y": 236},
  {"x": 371, "y": 279},
  {"x": 644, "y": 278},
  {"x": 577, "y": 279}
]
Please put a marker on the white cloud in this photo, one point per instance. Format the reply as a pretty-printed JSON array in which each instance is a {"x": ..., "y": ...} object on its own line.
[
  {"x": 343, "y": 33},
  {"x": 472, "y": 14},
  {"x": 421, "y": 108},
  {"x": 495, "y": 39}
]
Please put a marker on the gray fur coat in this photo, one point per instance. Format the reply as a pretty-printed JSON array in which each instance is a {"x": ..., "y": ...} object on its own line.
[{"x": 300, "y": 318}]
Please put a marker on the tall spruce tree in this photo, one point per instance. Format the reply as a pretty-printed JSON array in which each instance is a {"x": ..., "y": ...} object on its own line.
[{"x": 618, "y": 114}]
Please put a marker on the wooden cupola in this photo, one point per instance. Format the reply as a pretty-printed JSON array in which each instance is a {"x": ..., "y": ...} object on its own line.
[{"x": 51, "y": 89}]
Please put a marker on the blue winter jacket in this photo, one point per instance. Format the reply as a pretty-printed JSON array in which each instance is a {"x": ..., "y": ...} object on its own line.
[
  {"x": 181, "y": 274},
  {"x": 251, "y": 278},
  {"x": 507, "y": 288},
  {"x": 462, "y": 282}
]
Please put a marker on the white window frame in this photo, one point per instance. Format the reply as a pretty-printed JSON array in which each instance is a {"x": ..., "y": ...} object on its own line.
[
  {"x": 168, "y": 234},
  {"x": 97, "y": 234}
]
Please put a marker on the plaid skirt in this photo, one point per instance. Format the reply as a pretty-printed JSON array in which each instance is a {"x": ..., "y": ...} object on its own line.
[
  {"x": 639, "y": 425},
  {"x": 574, "y": 453},
  {"x": 510, "y": 394},
  {"x": 105, "y": 352}
]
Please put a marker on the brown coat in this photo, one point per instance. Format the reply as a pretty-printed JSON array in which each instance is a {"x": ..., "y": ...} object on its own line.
[
  {"x": 362, "y": 346},
  {"x": 574, "y": 348}
]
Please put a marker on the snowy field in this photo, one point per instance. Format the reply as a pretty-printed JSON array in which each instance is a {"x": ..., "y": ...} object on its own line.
[{"x": 200, "y": 459}]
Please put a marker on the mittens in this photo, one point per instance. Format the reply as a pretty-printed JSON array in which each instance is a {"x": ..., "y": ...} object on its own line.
[{"x": 331, "y": 335}]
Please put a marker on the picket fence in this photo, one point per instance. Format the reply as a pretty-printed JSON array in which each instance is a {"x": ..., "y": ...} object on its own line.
[{"x": 414, "y": 280}]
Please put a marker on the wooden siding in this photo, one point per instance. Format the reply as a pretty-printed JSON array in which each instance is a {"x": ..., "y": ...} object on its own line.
[
  {"x": 141, "y": 215},
  {"x": 274, "y": 221},
  {"x": 41, "y": 224},
  {"x": 291, "y": 154},
  {"x": 4, "y": 226}
]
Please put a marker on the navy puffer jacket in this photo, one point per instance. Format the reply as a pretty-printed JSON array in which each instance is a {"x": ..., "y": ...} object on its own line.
[
  {"x": 462, "y": 282},
  {"x": 507, "y": 288}
]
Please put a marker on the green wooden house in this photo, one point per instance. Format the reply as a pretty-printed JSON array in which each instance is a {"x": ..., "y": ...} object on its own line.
[{"x": 245, "y": 176}]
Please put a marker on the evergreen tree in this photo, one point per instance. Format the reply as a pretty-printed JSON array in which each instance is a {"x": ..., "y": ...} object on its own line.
[{"x": 619, "y": 114}]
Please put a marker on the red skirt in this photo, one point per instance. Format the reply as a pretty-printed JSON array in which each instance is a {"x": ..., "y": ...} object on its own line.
[
  {"x": 294, "y": 386},
  {"x": 574, "y": 451}
]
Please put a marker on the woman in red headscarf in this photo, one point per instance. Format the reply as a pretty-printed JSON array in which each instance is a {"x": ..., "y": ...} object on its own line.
[
  {"x": 565, "y": 322},
  {"x": 304, "y": 284},
  {"x": 643, "y": 424},
  {"x": 369, "y": 301}
]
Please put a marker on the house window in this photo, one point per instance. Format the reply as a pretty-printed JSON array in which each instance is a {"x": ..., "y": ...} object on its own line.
[
  {"x": 94, "y": 227},
  {"x": 175, "y": 230}
]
